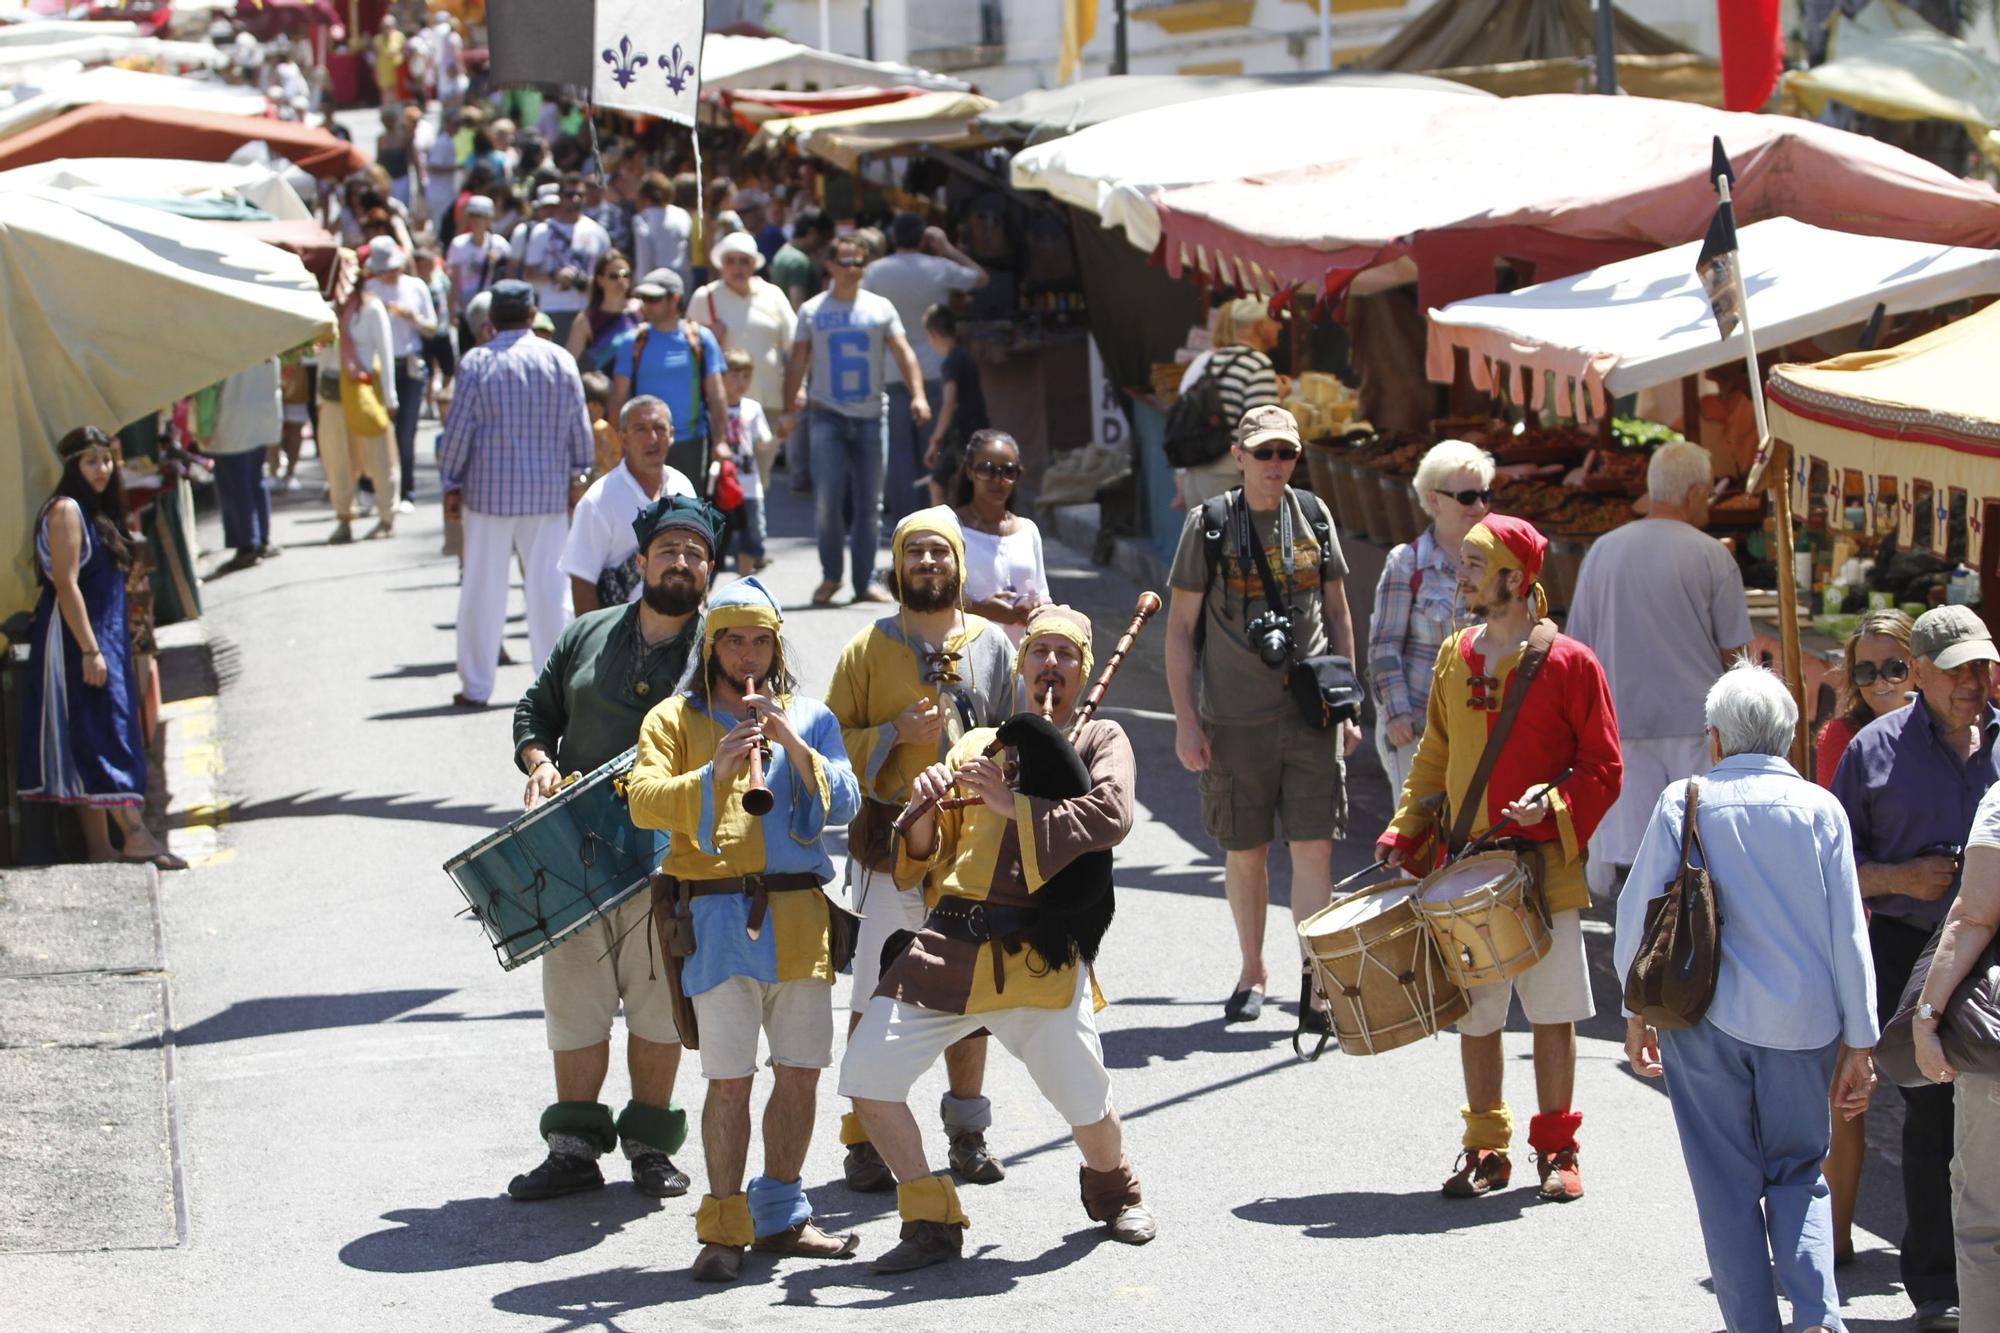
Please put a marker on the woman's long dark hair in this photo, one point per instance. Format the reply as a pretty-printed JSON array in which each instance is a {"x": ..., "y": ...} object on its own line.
[
  {"x": 105, "y": 510},
  {"x": 962, "y": 495},
  {"x": 613, "y": 256}
]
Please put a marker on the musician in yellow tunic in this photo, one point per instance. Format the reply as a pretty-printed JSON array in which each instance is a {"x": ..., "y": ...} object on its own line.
[
  {"x": 995, "y": 951},
  {"x": 748, "y": 890},
  {"x": 905, "y": 688}
]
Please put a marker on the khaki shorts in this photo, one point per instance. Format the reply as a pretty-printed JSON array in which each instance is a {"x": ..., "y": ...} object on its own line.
[
  {"x": 1555, "y": 990},
  {"x": 888, "y": 911},
  {"x": 1260, "y": 773},
  {"x": 613, "y": 958},
  {"x": 897, "y": 1043},
  {"x": 796, "y": 1018}
]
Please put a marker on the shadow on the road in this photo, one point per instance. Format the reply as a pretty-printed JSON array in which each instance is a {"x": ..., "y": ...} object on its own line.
[
  {"x": 1136, "y": 1048},
  {"x": 274, "y": 1015},
  {"x": 1367, "y": 1214},
  {"x": 977, "y": 1274},
  {"x": 494, "y": 1229},
  {"x": 446, "y": 709},
  {"x": 417, "y": 671},
  {"x": 421, "y": 810},
  {"x": 599, "y": 1300}
]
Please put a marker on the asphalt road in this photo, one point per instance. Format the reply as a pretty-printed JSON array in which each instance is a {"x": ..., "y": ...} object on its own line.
[{"x": 357, "y": 1080}]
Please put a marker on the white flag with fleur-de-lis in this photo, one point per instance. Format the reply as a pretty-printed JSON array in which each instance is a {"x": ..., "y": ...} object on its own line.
[{"x": 649, "y": 57}]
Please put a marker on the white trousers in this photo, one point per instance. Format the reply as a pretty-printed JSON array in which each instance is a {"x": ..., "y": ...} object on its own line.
[{"x": 490, "y": 542}]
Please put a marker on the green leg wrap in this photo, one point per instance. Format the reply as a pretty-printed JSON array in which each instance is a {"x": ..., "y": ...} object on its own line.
[
  {"x": 665, "y": 1129},
  {"x": 589, "y": 1121}
]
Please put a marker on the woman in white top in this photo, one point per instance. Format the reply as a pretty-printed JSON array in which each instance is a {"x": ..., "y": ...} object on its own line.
[
  {"x": 744, "y": 311},
  {"x": 1005, "y": 579},
  {"x": 364, "y": 346}
]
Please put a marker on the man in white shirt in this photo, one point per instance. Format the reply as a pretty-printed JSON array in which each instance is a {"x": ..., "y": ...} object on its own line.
[
  {"x": 476, "y": 259},
  {"x": 1661, "y": 604},
  {"x": 412, "y": 318},
  {"x": 601, "y": 554},
  {"x": 922, "y": 269},
  {"x": 562, "y": 253}
]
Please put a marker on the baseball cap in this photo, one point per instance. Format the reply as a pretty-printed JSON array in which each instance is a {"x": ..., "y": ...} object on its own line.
[
  {"x": 548, "y": 196},
  {"x": 1269, "y": 422},
  {"x": 1951, "y": 636},
  {"x": 479, "y": 206},
  {"x": 660, "y": 282},
  {"x": 512, "y": 299}
]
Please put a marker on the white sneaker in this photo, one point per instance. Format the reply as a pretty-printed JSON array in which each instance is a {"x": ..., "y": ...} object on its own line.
[{"x": 406, "y": 506}]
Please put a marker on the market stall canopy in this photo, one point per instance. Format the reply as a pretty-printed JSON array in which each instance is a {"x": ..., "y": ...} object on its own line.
[
  {"x": 1051, "y": 113},
  {"x": 30, "y": 59},
  {"x": 1114, "y": 168},
  {"x": 730, "y": 61},
  {"x": 1490, "y": 32},
  {"x": 1922, "y": 414},
  {"x": 751, "y": 107},
  {"x": 29, "y": 105},
  {"x": 939, "y": 120},
  {"x": 1887, "y": 61},
  {"x": 1646, "y": 321},
  {"x": 1556, "y": 184},
  {"x": 107, "y": 130},
  {"x": 165, "y": 182},
  {"x": 1687, "y": 77},
  {"x": 74, "y": 269}
]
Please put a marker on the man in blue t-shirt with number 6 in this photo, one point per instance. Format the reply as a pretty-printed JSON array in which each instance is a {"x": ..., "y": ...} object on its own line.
[{"x": 842, "y": 336}]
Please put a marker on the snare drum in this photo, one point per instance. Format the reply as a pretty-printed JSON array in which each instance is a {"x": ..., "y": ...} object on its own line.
[
  {"x": 559, "y": 866},
  {"x": 1373, "y": 960},
  {"x": 1486, "y": 922}
]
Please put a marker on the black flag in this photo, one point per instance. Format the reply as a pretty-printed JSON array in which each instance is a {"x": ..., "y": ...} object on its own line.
[{"x": 1717, "y": 266}]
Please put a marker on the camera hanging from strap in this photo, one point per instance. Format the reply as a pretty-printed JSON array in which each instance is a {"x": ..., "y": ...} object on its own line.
[{"x": 1325, "y": 688}]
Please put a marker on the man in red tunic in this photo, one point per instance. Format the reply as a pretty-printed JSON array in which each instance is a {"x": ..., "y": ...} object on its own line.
[{"x": 1565, "y": 725}]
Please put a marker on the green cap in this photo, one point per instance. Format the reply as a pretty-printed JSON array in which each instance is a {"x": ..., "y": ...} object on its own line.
[{"x": 678, "y": 511}]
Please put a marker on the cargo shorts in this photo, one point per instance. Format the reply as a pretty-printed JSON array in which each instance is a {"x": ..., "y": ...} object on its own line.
[{"x": 1266, "y": 775}]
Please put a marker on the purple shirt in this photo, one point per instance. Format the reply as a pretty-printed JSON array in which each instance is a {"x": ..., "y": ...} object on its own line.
[
  {"x": 517, "y": 431},
  {"x": 1906, "y": 794}
]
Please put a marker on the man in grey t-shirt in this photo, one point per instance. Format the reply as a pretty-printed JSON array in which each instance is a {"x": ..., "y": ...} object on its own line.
[
  {"x": 1660, "y": 603},
  {"x": 845, "y": 336}
]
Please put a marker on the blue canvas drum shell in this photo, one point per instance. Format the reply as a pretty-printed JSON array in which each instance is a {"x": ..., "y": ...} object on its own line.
[{"x": 557, "y": 867}]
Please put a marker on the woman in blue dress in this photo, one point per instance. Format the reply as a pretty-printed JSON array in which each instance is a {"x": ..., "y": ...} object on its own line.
[{"x": 80, "y": 739}]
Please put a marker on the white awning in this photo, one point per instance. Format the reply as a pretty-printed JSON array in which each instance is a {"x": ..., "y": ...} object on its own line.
[{"x": 772, "y": 62}]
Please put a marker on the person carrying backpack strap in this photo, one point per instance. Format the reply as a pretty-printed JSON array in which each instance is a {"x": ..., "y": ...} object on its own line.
[
  {"x": 699, "y": 404},
  {"x": 1242, "y": 377}
]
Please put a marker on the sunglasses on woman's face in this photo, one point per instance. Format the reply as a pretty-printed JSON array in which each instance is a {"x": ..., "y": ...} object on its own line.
[
  {"x": 1895, "y": 671},
  {"x": 618, "y": 275},
  {"x": 1470, "y": 498},
  {"x": 991, "y": 470}
]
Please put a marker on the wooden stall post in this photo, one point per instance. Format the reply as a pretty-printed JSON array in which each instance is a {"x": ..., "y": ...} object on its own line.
[{"x": 1779, "y": 477}]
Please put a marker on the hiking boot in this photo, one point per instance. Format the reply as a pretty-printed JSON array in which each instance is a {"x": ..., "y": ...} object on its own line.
[
  {"x": 560, "y": 1174},
  {"x": 1561, "y": 1179},
  {"x": 717, "y": 1263},
  {"x": 973, "y": 1163},
  {"x": 1133, "y": 1225},
  {"x": 655, "y": 1174},
  {"x": 865, "y": 1170},
  {"x": 1480, "y": 1171},
  {"x": 808, "y": 1242},
  {"x": 923, "y": 1244}
]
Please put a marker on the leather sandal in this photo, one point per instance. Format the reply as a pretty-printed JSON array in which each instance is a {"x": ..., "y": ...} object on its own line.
[
  {"x": 807, "y": 1241},
  {"x": 823, "y": 595},
  {"x": 1480, "y": 1171},
  {"x": 923, "y": 1244},
  {"x": 717, "y": 1263}
]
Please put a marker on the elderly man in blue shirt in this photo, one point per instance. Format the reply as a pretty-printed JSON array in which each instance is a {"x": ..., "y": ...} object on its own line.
[
  {"x": 1911, "y": 782},
  {"x": 1748, "y": 1083}
]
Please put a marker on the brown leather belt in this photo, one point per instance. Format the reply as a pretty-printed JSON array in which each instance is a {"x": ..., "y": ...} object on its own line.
[
  {"x": 1005, "y": 928},
  {"x": 756, "y": 888}
]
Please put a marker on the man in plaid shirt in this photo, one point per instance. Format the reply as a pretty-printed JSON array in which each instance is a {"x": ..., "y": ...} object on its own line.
[{"x": 515, "y": 455}]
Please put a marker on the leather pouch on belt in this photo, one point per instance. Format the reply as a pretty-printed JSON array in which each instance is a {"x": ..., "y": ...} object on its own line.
[{"x": 673, "y": 919}]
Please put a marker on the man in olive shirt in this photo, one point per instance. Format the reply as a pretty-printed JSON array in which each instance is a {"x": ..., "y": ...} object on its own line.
[{"x": 584, "y": 710}]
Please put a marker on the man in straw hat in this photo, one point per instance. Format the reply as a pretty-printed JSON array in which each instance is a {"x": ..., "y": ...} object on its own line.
[
  {"x": 750, "y": 936},
  {"x": 905, "y": 689},
  {"x": 1019, "y": 891},
  {"x": 1562, "y": 722}
]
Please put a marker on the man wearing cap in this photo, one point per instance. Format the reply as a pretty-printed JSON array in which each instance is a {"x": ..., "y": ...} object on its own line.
[
  {"x": 475, "y": 259},
  {"x": 1235, "y": 724},
  {"x": 542, "y": 206},
  {"x": 599, "y": 556},
  {"x": 607, "y": 671},
  {"x": 746, "y": 312},
  {"x": 905, "y": 689},
  {"x": 1910, "y": 782},
  {"x": 1245, "y": 378},
  {"x": 515, "y": 454},
  {"x": 1019, "y": 891},
  {"x": 750, "y": 934},
  {"x": 562, "y": 253},
  {"x": 412, "y": 318},
  {"x": 680, "y": 363},
  {"x": 1556, "y": 773},
  {"x": 922, "y": 269}
]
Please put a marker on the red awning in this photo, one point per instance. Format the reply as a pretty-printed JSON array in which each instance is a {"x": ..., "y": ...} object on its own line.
[
  {"x": 107, "y": 129},
  {"x": 751, "y": 107}
]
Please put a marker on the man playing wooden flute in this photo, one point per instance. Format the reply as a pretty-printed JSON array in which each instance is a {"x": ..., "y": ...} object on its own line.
[
  {"x": 1006, "y": 946},
  {"x": 751, "y": 931}
]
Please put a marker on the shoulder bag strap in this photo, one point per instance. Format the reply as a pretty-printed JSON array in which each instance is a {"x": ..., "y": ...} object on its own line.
[
  {"x": 1691, "y": 831},
  {"x": 1540, "y": 639}
]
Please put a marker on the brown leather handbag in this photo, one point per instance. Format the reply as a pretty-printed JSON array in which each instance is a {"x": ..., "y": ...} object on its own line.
[{"x": 1673, "y": 976}]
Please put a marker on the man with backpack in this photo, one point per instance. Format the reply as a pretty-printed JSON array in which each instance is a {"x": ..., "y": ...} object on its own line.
[
  {"x": 1243, "y": 618},
  {"x": 678, "y": 362},
  {"x": 1218, "y": 388}
]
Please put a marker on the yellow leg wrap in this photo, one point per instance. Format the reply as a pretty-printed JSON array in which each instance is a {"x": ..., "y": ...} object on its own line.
[
  {"x": 724, "y": 1221},
  {"x": 851, "y": 1131},
  {"x": 1491, "y": 1130},
  {"x": 931, "y": 1199}
]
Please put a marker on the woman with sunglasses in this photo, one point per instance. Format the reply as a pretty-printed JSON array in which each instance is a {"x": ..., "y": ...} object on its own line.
[
  {"x": 1416, "y": 602},
  {"x": 1005, "y": 579},
  {"x": 612, "y": 314},
  {"x": 1874, "y": 680}
]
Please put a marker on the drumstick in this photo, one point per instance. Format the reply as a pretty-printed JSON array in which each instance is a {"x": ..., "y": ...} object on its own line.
[
  {"x": 1374, "y": 868},
  {"x": 1494, "y": 832}
]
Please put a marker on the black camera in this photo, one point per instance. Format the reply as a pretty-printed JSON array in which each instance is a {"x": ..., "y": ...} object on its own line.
[{"x": 1271, "y": 635}]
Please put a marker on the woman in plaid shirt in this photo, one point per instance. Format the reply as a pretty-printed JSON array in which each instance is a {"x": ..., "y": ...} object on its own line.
[{"x": 1416, "y": 604}]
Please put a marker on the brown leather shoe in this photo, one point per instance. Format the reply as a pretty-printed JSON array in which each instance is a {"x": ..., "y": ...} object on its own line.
[
  {"x": 973, "y": 1163},
  {"x": 1480, "y": 1171},
  {"x": 1133, "y": 1225},
  {"x": 808, "y": 1242},
  {"x": 1562, "y": 1180},
  {"x": 865, "y": 1170},
  {"x": 923, "y": 1244},
  {"x": 717, "y": 1263}
]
